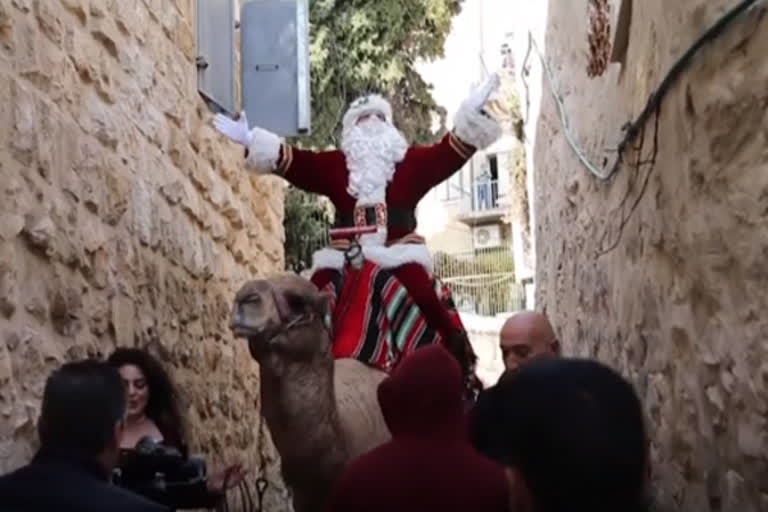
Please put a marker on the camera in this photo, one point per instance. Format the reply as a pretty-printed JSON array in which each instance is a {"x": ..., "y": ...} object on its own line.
[{"x": 155, "y": 465}]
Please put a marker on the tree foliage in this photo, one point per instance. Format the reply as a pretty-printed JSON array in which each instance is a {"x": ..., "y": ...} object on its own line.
[
  {"x": 359, "y": 47},
  {"x": 306, "y": 228},
  {"x": 363, "y": 46}
]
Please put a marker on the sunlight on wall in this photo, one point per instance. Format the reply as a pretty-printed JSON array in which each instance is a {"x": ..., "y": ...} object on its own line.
[{"x": 530, "y": 16}]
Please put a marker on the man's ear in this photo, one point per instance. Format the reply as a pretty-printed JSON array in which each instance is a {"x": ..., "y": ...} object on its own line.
[{"x": 556, "y": 349}]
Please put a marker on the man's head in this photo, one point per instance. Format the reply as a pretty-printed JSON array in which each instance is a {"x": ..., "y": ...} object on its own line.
[
  {"x": 570, "y": 433},
  {"x": 526, "y": 336},
  {"x": 372, "y": 147},
  {"x": 82, "y": 412}
]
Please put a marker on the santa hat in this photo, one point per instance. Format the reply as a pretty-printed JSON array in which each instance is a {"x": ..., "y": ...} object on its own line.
[{"x": 366, "y": 105}]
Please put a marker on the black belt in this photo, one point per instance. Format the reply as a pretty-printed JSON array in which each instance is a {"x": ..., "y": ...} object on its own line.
[{"x": 404, "y": 218}]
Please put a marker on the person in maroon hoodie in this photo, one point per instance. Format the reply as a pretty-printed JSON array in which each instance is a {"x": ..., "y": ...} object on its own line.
[{"x": 429, "y": 464}]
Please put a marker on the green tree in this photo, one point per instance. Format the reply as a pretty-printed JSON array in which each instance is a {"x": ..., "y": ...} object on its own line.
[{"x": 359, "y": 47}]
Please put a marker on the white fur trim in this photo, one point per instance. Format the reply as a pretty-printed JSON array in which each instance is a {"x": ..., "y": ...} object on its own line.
[
  {"x": 377, "y": 238},
  {"x": 476, "y": 129},
  {"x": 385, "y": 257},
  {"x": 327, "y": 258},
  {"x": 366, "y": 104},
  {"x": 263, "y": 151}
]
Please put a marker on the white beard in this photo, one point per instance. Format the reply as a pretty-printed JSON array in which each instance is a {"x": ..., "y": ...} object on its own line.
[{"x": 372, "y": 149}]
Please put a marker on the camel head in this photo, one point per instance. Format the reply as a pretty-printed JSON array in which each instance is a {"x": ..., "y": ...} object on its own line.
[{"x": 284, "y": 314}]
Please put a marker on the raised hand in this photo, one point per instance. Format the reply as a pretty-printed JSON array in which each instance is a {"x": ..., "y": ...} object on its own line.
[
  {"x": 235, "y": 130},
  {"x": 227, "y": 478},
  {"x": 480, "y": 96}
]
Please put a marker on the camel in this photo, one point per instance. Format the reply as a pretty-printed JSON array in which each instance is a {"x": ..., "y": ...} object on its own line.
[{"x": 320, "y": 412}]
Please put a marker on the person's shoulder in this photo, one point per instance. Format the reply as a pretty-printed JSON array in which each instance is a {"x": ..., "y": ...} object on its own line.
[{"x": 37, "y": 486}]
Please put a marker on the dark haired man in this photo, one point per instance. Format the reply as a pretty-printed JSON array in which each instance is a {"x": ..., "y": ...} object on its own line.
[
  {"x": 79, "y": 427},
  {"x": 571, "y": 435}
]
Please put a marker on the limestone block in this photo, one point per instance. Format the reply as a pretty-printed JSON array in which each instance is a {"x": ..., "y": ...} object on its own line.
[
  {"x": 84, "y": 54},
  {"x": 142, "y": 211},
  {"x": 6, "y": 27},
  {"x": 49, "y": 18},
  {"x": 185, "y": 38},
  {"x": 117, "y": 193},
  {"x": 40, "y": 231},
  {"x": 9, "y": 285},
  {"x": 118, "y": 225},
  {"x": 23, "y": 140},
  {"x": 677, "y": 300},
  {"x": 79, "y": 8},
  {"x": 123, "y": 320}
]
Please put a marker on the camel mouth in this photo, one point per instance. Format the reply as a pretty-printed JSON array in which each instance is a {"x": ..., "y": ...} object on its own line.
[{"x": 245, "y": 331}]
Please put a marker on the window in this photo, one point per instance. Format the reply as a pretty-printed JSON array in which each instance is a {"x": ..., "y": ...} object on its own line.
[
  {"x": 493, "y": 166},
  {"x": 216, "y": 53}
]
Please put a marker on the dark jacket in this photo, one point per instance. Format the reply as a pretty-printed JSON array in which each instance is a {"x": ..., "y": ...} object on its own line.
[
  {"x": 62, "y": 484},
  {"x": 177, "y": 495},
  {"x": 429, "y": 464}
]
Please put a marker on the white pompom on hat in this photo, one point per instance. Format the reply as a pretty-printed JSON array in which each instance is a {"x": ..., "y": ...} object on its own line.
[{"x": 365, "y": 105}]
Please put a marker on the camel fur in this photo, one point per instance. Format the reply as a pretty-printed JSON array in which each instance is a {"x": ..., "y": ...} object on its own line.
[{"x": 321, "y": 412}]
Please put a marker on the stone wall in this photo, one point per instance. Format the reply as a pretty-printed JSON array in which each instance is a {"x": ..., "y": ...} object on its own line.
[
  {"x": 125, "y": 219},
  {"x": 676, "y": 298}
]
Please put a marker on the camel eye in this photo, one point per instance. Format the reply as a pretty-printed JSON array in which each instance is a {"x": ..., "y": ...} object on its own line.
[{"x": 254, "y": 298}]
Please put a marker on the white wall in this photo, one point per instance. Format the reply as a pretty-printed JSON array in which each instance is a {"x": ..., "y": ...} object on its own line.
[{"x": 483, "y": 333}]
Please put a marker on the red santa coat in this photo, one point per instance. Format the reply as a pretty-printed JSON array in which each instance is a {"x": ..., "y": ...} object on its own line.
[{"x": 423, "y": 167}]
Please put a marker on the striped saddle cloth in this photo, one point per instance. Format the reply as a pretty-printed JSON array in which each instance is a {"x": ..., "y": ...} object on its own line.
[{"x": 374, "y": 318}]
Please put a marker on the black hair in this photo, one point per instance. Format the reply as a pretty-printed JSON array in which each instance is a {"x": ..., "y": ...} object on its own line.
[
  {"x": 162, "y": 405},
  {"x": 82, "y": 403},
  {"x": 575, "y": 431}
]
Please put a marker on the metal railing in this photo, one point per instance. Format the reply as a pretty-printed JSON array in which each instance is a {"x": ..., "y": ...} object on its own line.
[
  {"x": 482, "y": 281},
  {"x": 485, "y": 195}
]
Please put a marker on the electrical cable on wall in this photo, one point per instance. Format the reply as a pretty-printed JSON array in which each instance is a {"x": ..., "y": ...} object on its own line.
[{"x": 631, "y": 129}]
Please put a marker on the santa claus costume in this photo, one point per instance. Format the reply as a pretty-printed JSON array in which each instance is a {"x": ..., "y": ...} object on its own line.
[{"x": 376, "y": 179}]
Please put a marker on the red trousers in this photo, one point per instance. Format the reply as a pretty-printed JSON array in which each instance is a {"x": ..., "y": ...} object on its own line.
[{"x": 421, "y": 289}]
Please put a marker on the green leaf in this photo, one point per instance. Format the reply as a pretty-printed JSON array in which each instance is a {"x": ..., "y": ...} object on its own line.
[{"x": 359, "y": 47}]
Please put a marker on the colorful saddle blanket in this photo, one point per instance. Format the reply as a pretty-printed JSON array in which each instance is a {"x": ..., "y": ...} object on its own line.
[{"x": 377, "y": 322}]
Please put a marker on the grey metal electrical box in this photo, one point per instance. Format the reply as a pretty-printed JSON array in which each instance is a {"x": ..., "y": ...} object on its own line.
[
  {"x": 275, "y": 65},
  {"x": 216, "y": 52}
]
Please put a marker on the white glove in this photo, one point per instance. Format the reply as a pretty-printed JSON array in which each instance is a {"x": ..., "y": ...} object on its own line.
[
  {"x": 480, "y": 96},
  {"x": 235, "y": 130}
]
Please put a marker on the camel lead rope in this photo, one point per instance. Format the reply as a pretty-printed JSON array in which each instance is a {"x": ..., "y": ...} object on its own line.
[{"x": 261, "y": 481}]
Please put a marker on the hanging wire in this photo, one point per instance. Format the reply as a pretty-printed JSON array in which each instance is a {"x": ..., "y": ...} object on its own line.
[{"x": 653, "y": 104}]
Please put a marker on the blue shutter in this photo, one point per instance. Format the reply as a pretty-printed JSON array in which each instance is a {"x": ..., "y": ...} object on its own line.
[
  {"x": 275, "y": 65},
  {"x": 216, "y": 52}
]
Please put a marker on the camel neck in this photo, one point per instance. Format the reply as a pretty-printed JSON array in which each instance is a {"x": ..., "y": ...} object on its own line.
[{"x": 299, "y": 406}]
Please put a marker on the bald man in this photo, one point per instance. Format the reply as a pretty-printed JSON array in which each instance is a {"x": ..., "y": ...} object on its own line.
[{"x": 525, "y": 336}]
